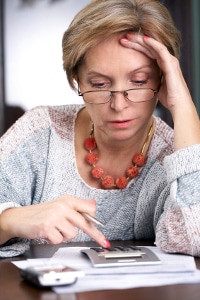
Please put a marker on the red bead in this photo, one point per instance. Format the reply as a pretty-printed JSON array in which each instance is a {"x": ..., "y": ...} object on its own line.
[
  {"x": 90, "y": 143},
  {"x": 92, "y": 158},
  {"x": 97, "y": 172},
  {"x": 139, "y": 159},
  {"x": 121, "y": 182},
  {"x": 108, "y": 182},
  {"x": 132, "y": 172}
]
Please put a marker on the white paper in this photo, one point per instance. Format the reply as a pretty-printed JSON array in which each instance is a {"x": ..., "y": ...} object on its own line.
[
  {"x": 72, "y": 257},
  {"x": 23, "y": 264},
  {"x": 175, "y": 269}
]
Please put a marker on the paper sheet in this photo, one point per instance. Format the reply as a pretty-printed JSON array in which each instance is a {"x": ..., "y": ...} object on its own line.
[
  {"x": 175, "y": 269},
  {"x": 170, "y": 263}
]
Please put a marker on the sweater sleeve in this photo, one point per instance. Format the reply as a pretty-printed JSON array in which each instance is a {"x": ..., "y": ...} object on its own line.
[
  {"x": 23, "y": 157},
  {"x": 178, "y": 229}
]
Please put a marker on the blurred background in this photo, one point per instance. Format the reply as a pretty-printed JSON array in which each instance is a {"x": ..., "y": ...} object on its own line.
[{"x": 31, "y": 71}]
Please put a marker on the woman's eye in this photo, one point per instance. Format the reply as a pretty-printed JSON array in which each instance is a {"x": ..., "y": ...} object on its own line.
[
  {"x": 98, "y": 84},
  {"x": 140, "y": 82}
]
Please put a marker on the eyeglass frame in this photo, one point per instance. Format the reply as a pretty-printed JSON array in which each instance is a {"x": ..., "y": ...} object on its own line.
[{"x": 114, "y": 92}]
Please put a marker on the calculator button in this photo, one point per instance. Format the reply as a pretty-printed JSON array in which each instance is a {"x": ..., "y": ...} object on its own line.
[
  {"x": 124, "y": 248},
  {"x": 112, "y": 249},
  {"x": 118, "y": 252},
  {"x": 135, "y": 248},
  {"x": 97, "y": 249},
  {"x": 120, "y": 248}
]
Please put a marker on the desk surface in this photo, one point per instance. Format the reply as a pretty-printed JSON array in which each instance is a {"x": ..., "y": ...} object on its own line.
[{"x": 13, "y": 287}]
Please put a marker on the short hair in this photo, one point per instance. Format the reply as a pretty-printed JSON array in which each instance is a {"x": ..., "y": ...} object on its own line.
[{"x": 101, "y": 19}]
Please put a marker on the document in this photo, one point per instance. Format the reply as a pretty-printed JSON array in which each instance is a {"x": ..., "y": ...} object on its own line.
[{"x": 174, "y": 269}]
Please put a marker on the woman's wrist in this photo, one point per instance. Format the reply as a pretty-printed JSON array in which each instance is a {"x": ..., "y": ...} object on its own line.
[
  {"x": 186, "y": 128},
  {"x": 5, "y": 224}
]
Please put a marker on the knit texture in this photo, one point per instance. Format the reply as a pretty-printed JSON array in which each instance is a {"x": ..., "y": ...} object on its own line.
[{"x": 37, "y": 164}]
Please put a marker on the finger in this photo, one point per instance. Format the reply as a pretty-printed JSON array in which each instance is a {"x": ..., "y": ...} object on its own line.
[
  {"x": 74, "y": 218},
  {"x": 81, "y": 205},
  {"x": 155, "y": 46},
  {"x": 54, "y": 236},
  {"x": 149, "y": 46},
  {"x": 96, "y": 235},
  {"x": 67, "y": 230},
  {"x": 136, "y": 42},
  {"x": 89, "y": 228}
]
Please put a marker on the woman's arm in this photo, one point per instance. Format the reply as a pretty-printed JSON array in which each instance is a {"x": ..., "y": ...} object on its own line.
[
  {"x": 26, "y": 209},
  {"x": 178, "y": 228}
]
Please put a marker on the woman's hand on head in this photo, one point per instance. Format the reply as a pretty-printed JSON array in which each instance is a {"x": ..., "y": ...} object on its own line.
[
  {"x": 173, "y": 92},
  {"x": 55, "y": 220},
  {"x": 173, "y": 89}
]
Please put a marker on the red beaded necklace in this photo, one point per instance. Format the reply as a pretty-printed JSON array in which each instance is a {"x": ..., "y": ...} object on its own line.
[{"x": 107, "y": 181}]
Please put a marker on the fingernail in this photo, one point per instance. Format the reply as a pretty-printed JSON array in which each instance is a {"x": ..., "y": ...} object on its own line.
[{"x": 106, "y": 244}]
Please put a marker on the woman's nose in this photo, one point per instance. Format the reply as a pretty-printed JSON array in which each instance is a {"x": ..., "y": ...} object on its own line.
[{"x": 119, "y": 101}]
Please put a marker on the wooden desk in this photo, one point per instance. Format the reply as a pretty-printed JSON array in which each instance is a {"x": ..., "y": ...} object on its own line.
[{"x": 13, "y": 287}]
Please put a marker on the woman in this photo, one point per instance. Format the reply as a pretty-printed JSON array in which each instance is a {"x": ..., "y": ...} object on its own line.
[{"x": 109, "y": 157}]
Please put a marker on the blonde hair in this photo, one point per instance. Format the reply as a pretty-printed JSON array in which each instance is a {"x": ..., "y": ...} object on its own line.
[{"x": 103, "y": 18}]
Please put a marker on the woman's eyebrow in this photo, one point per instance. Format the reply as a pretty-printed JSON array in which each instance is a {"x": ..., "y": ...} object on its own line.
[
  {"x": 141, "y": 68},
  {"x": 93, "y": 72},
  {"x": 96, "y": 74}
]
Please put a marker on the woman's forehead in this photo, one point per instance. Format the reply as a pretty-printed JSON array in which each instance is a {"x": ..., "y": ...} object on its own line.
[{"x": 109, "y": 53}]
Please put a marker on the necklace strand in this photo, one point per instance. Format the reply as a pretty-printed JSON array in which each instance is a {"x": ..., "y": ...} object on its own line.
[{"x": 107, "y": 181}]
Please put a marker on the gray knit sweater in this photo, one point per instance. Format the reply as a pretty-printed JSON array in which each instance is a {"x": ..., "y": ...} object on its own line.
[{"x": 37, "y": 164}]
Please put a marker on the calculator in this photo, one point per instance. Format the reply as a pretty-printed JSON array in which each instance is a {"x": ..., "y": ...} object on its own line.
[{"x": 120, "y": 256}]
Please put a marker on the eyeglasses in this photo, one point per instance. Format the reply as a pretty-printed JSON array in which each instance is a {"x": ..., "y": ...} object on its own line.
[{"x": 134, "y": 95}]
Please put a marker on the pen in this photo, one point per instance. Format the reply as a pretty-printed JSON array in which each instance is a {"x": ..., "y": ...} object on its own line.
[{"x": 92, "y": 219}]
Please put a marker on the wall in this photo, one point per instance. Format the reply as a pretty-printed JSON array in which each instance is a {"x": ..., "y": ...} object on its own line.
[
  {"x": 33, "y": 56},
  {"x": 33, "y": 53}
]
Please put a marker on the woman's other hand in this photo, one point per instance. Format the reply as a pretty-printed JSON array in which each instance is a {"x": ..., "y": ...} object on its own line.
[{"x": 173, "y": 92}]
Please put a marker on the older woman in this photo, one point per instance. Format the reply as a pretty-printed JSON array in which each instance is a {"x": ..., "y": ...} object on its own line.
[{"x": 110, "y": 157}]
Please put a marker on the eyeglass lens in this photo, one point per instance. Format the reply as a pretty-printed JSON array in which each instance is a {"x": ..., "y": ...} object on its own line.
[{"x": 136, "y": 95}]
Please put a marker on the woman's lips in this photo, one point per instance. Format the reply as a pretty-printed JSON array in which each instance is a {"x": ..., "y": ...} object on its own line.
[{"x": 121, "y": 124}]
